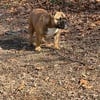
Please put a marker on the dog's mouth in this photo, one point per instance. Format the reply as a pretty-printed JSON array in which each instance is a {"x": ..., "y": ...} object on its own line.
[{"x": 62, "y": 23}]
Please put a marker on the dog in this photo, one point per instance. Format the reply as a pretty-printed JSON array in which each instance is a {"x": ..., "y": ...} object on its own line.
[
  {"x": 41, "y": 23},
  {"x": 60, "y": 19}
]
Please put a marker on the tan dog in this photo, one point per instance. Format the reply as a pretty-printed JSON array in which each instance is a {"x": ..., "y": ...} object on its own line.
[{"x": 40, "y": 23}]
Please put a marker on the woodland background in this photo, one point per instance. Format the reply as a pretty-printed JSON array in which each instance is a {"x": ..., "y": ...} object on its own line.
[{"x": 71, "y": 73}]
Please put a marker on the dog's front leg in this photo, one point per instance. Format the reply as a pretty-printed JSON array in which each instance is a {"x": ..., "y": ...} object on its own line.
[{"x": 56, "y": 40}]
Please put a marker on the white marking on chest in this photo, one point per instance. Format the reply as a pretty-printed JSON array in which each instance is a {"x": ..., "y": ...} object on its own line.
[{"x": 52, "y": 31}]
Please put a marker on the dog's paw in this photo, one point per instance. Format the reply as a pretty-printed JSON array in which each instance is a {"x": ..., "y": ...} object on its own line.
[
  {"x": 57, "y": 47},
  {"x": 38, "y": 48}
]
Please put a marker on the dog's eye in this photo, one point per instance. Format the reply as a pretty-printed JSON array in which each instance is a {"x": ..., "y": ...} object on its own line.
[
  {"x": 60, "y": 18},
  {"x": 57, "y": 19}
]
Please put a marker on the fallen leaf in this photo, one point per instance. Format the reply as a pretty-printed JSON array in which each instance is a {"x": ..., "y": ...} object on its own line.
[
  {"x": 92, "y": 24},
  {"x": 38, "y": 66},
  {"x": 84, "y": 83},
  {"x": 32, "y": 90},
  {"x": 97, "y": 22},
  {"x": 22, "y": 85}
]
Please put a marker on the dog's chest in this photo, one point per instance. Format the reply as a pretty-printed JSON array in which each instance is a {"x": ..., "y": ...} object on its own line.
[{"x": 52, "y": 31}]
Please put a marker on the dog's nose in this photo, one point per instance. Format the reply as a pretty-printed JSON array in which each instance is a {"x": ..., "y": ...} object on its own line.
[{"x": 66, "y": 26}]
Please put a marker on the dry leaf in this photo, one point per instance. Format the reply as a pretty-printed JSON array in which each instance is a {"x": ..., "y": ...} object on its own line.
[
  {"x": 97, "y": 22},
  {"x": 92, "y": 24},
  {"x": 84, "y": 83},
  {"x": 22, "y": 85},
  {"x": 32, "y": 90}
]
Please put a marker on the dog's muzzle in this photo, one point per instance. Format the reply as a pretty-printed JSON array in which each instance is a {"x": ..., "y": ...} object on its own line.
[{"x": 62, "y": 23}]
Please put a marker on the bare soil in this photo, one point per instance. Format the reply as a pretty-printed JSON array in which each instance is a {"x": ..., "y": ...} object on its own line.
[{"x": 71, "y": 73}]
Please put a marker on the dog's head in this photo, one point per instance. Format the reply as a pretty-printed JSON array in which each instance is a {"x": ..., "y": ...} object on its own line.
[{"x": 60, "y": 20}]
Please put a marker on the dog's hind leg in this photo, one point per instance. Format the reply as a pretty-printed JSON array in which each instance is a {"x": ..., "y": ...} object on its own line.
[
  {"x": 38, "y": 41},
  {"x": 31, "y": 32}
]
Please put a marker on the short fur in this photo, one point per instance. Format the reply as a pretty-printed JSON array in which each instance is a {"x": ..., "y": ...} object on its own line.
[{"x": 39, "y": 22}]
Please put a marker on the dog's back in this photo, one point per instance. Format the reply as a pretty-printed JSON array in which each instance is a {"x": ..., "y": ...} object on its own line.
[{"x": 41, "y": 18}]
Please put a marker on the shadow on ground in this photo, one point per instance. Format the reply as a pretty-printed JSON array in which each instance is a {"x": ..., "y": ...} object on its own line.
[{"x": 15, "y": 40}]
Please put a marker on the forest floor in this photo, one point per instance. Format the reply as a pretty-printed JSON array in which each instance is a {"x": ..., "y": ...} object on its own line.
[{"x": 71, "y": 73}]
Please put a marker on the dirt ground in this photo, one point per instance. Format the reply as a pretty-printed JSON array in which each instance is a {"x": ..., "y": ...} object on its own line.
[{"x": 71, "y": 73}]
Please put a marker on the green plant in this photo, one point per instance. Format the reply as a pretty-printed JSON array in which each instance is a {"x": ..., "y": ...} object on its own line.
[{"x": 53, "y": 1}]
